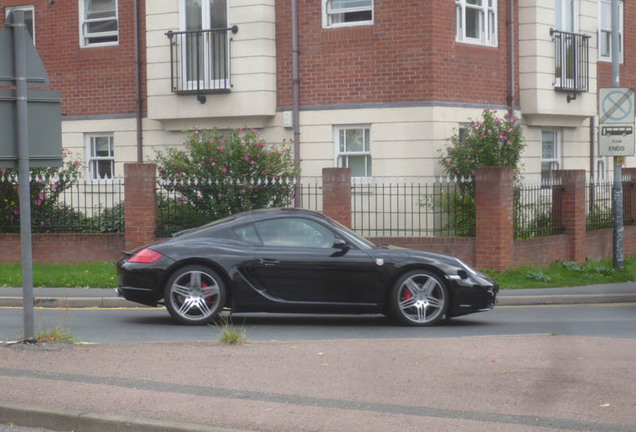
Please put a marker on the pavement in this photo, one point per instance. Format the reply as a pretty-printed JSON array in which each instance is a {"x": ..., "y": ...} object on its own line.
[{"x": 537, "y": 383}]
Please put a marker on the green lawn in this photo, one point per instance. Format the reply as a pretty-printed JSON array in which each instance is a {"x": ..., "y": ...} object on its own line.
[{"x": 560, "y": 274}]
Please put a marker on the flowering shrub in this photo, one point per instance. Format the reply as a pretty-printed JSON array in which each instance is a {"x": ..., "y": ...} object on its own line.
[
  {"x": 226, "y": 173},
  {"x": 47, "y": 184},
  {"x": 491, "y": 141}
]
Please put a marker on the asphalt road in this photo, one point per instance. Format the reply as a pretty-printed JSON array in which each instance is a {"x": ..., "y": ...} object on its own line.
[{"x": 154, "y": 325}]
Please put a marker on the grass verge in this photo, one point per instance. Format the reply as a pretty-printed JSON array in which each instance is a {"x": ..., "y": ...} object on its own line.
[
  {"x": 565, "y": 274},
  {"x": 93, "y": 275}
]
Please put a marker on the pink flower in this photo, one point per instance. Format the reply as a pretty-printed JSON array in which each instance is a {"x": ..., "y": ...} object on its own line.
[
  {"x": 473, "y": 172},
  {"x": 221, "y": 148},
  {"x": 448, "y": 164},
  {"x": 223, "y": 170},
  {"x": 263, "y": 173},
  {"x": 243, "y": 190},
  {"x": 211, "y": 140}
]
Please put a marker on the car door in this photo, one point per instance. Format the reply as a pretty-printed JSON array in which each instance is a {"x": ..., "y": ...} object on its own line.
[{"x": 298, "y": 263}]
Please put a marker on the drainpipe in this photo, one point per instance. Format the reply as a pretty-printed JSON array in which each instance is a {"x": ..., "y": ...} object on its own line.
[
  {"x": 511, "y": 57},
  {"x": 296, "y": 90},
  {"x": 295, "y": 80},
  {"x": 138, "y": 101}
]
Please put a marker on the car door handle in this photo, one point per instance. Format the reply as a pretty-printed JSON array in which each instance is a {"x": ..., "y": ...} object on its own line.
[{"x": 268, "y": 262}]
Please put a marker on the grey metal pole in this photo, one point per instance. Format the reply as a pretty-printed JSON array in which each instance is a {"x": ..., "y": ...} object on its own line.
[
  {"x": 19, "y": 52},
  {"x": 617, "y": 189}
]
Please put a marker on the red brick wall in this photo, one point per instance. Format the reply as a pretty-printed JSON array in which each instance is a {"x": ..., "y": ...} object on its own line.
[
  {"x": 93, "y": 81},
  {"x": 409, "y": 54},
  {"x": 541, "y": 250},
  {"x": 64, "y": 248}
]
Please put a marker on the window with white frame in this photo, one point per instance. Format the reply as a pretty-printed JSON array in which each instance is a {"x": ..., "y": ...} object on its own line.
[
  {"x": 29, "y": 17},
  {"x": 550, "y": 154},
  {"x": 340, "y": 13},
  {"x": 605, "y": 30},
  {"x": 99, "y": 24},
  {"x": 101, "y": 156},
  {"x": 353, "y": 149},
  {"x": 476, "y": 21}
]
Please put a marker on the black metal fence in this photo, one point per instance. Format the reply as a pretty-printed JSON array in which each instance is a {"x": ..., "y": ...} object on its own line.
[
  {"x": 423, "y": 207},
  {"x": 599, "y": 203},
  {"x": 63, "y": 205},
  {"x": 177, "y": 212},
  {"x": 537, "y": 209}
]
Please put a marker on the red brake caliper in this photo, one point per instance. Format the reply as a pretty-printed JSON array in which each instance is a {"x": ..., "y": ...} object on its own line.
[{"x": 407, "y": 295}]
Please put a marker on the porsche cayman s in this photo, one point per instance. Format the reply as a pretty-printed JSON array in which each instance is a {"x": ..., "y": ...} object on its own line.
[{"x": 298, "y": 261}]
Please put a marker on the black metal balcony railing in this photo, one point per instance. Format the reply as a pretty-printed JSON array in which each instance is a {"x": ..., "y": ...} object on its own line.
[
  {"x": 200, "y": 61},
  {"x": 571, "y": 61}
]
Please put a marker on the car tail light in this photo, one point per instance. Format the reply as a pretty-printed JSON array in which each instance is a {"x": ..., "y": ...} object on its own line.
[{"x": 146, "y": 256}]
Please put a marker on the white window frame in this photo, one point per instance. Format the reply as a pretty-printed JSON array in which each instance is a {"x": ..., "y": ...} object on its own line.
[
  {"x": 488, "y": 22},
  {"x": 85, "y": 38},
  {"x": 92, "y": 160},
  {"x": 25, "y": 8},
  {"x": 567, "y": 22},
  {"x": 342, "y": 157},
  {"x": 555, "y": 162},
  {"x": 206, "y": 22},
  {"x": 334, "y": 17},
  {"x": 608, "y": 30}
]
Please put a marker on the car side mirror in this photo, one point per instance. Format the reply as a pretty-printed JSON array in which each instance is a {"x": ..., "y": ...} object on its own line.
[{"x": 341, "y": 247}]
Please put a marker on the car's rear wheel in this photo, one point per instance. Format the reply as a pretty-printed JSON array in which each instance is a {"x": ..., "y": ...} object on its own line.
[
  {"x": 419, "y": 298},
  {"x": 194, "y": 295}
]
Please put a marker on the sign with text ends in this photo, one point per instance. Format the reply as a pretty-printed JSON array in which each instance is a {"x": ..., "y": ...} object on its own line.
[
  {"x": 616, "y": 122},
  {"x": 45, "y": 128}
]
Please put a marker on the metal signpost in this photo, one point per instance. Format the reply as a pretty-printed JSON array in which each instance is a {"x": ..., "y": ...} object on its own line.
[
  {"x": 616, "y": 135},
  {"x": 21, "y": 65}
]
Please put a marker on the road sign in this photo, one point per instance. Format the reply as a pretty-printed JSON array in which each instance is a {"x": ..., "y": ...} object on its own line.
[
  {"x": 36, "y": 73},
  {"x": 616, "y": 122},
  {"x": 44, "y": 111}
]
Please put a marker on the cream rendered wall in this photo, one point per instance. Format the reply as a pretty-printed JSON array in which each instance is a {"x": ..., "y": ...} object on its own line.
[
  {"x": 253, "y": 69},
  {"x": 540, "y": 103}
]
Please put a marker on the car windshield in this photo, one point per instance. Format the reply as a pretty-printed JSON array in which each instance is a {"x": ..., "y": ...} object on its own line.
[{"x": 363, "y": 241}]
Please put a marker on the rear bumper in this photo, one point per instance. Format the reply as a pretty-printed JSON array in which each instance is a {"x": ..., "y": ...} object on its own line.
[{"x": 143, "y": 296}]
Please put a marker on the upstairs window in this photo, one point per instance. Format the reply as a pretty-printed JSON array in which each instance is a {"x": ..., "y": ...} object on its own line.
[
  {"x": 29, "y": 18},
  {"x": 340, "y": 13},
  {"x": 476, "y": 21},
  {"x": 101, "y": 156},
  {"x": 605, "y": 30},
  {"x": 99, "y": 24}
]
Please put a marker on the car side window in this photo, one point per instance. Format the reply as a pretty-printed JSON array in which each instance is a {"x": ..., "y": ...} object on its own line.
[
  {"x": 248, "y": 234},
  {"x": 294, "y": 232}
]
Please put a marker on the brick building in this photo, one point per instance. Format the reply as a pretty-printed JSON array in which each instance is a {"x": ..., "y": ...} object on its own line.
[{"x": 376, "y": 85}]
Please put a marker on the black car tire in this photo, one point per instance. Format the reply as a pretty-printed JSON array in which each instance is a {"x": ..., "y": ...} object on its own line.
[
  {"x": 419, "y": 298},
  {"x": 194, "y": 295}
]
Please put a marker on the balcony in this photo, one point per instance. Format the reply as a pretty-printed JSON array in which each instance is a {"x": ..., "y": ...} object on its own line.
[
  {"x": 571, "y": 62},
  {"x": 200, "y": 61}
]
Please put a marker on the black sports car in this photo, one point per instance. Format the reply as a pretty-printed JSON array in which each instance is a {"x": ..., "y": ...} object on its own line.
[{"x": 292, "y": 260}]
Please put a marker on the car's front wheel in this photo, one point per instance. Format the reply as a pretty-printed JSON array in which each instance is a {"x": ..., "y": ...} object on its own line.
[
  {"x": 419, "y": 298},
  {"x": 194, "y": 295}
]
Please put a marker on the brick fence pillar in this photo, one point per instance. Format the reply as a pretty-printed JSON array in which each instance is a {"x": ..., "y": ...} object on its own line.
[
  {"x": 141, "y": 204},
  {"x": 493, "y": 222},
  {"x": 573, "y": 212},
  {"x": 336, "y": 194}
]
